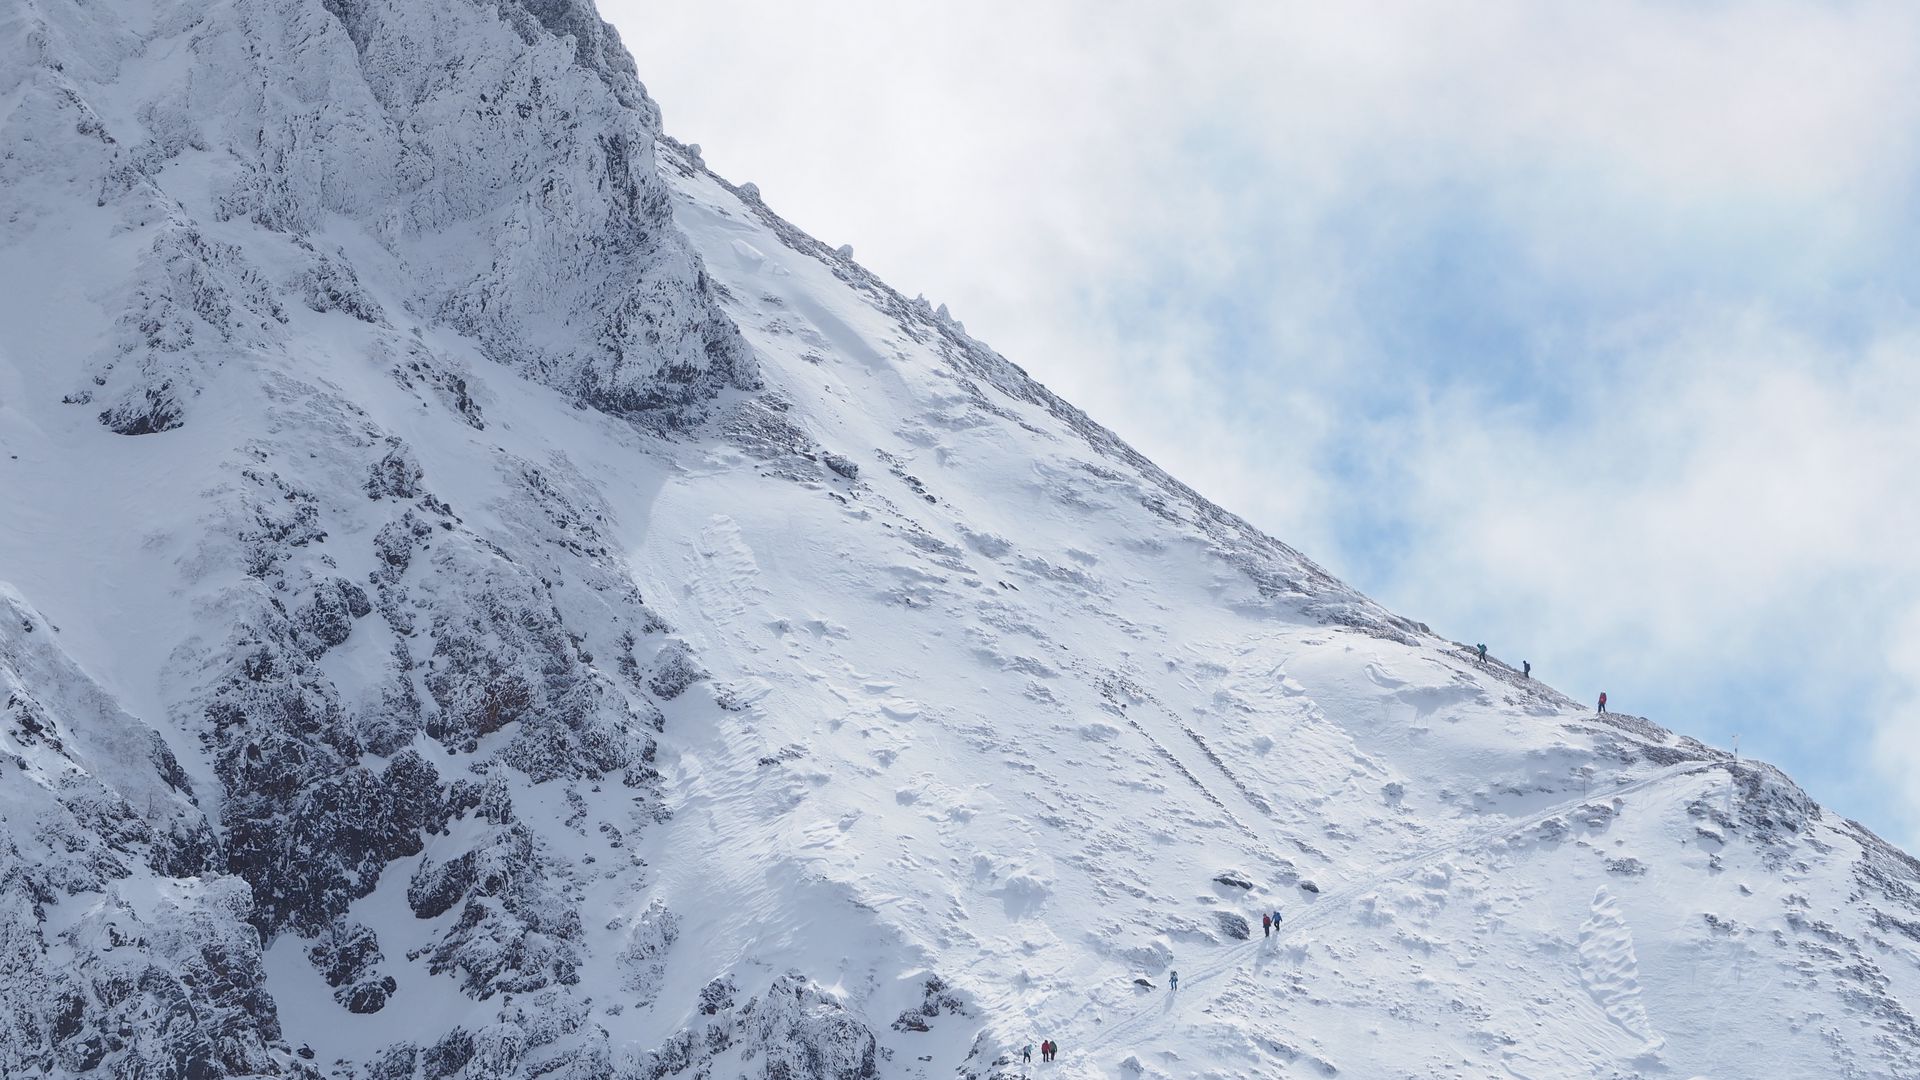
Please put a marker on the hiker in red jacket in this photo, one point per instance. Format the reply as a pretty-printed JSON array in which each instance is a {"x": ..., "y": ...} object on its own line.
[
  {"x": 1266, "y": 925},
  {"x": 1603, "y": 701}
]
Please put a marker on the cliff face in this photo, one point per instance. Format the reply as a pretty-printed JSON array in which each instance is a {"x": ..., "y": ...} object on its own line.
[
  {"x": 485, "y": 597},
  {"x": 493, "y": 162},
  {"x": 228, "y": 231}
]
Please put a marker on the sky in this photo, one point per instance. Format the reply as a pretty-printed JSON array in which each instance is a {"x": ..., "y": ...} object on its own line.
[{"x": 1586, "y": 331}]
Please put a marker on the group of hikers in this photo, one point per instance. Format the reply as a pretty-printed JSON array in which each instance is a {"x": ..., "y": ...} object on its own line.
[
  {"x": 1269, "y": 920},
  {"x": 1526, "y": 666},
  {"x": 1526, "y": 672},
  {"x": 1269, "y": 924},
  {"x": 1048, "y": 1048}
]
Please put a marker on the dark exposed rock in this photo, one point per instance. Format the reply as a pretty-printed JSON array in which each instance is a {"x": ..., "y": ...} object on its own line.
[
  {"x": 394, "y": 545},
  {"x": 794, "y": 1031},
  {"x": 804, "y": 1032},
  {"x": 188, "y": 1000},
  {"x": 284, "y": 517},
  {"x": 328, "y": 620},
  {"x": 395, "y": 1062},
  {"x": 512, "y": 934},
  {"x": 388, "y": 723},
  {"x": 674, "y": 669},
  {"x": 190, "y": 304},
  {"x": 396, "y": 475},
  {"x": 154, "y": 409},
  {"x": 717, "y": 996},
  {"x": 308, "y": 828},
  {"x": 330, "y": 284},
  {"x": 643, "y": 959},
  {"x": 448, "y": 1056},
  {"x": 1770, "y": 803},
  {"x": 433, "y": 376},
  {"x": 936, "y": 999},
  {"x": 1669, "y": 755},
  {"x": 369, "y": 996},
  {"x": 436, "y": 887},
  {"x": 502, "y": 656},
  {"x": 844, "y": 466}
]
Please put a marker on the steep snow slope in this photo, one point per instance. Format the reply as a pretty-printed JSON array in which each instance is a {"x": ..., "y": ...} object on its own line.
[
  {"x": 488, "y": 598},
  {"x": 1126, "y": 723}
]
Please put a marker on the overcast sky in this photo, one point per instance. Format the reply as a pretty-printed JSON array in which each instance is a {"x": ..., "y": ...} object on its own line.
[{"x": 1587, "y": 331}]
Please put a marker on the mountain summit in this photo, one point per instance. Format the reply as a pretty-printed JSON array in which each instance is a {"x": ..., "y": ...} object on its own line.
[{"x": 484, "y": 597}]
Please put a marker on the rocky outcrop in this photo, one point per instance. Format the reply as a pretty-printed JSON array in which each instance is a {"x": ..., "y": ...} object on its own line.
[
  {"x": 515, "y": 133},
  {"x": 796, "y": 1030},
  {"x": 145, "y": 981},
  {"x": 793, "y": 1031}
]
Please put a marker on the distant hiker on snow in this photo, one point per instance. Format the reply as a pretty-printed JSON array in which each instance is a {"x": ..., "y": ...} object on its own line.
[
  {"x": 1526, "y": 669},
  {"x": 1603, "y": 701},
  {"x": 1276, "y": 918},
  {"x": 1266, "y": 925},
  {"x": 1026, "y": 1054},
  {"x": 1483, "y": 653},
  {"x": 1173, "y": 980}
]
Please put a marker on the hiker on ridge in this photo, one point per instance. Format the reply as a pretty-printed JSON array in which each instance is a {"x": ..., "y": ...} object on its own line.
[
  {"x": 1483, "y": 652},
  {"x": 1603, "y": 701},
  {"x": 1526, "y": 669}
]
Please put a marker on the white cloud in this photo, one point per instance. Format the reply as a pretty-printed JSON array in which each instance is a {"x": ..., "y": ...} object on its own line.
[
  {"x": 1729, "y": 527},
  {"x": 1895, "y": 748},
  {"x": 1754, "y": 478},
  {"x": 1210, "y": 226}
]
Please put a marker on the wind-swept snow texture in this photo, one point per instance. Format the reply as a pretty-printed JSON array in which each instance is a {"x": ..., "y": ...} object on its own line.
[{"x": 485, "y": 597}]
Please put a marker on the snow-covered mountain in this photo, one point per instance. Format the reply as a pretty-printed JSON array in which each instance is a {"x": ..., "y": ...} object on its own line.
[{"x": 486, "y": 597}]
